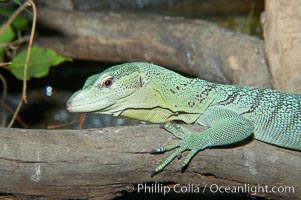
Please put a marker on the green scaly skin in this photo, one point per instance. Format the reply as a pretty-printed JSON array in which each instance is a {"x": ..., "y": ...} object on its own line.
[{"x": 149, "y": 92}]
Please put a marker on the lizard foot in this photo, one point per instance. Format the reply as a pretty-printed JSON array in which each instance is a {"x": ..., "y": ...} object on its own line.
[
  {"x": 189, "y": 141},
  {"x": 224, "y": 127}
]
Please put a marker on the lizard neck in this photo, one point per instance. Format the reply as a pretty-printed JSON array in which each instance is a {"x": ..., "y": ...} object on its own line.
[
  {"x": 184, "y": 100},
  {"x": 190, "y": 95}
]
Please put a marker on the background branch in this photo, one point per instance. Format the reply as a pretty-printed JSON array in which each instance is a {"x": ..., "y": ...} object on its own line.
[{"x": 194, "y": 47}]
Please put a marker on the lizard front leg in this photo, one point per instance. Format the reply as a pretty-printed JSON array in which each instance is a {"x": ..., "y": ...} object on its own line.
[{"x": 225, "y": 127}]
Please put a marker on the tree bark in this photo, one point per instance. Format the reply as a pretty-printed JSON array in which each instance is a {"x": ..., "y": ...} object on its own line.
[
  {"x": 101, "y": 163},
  {"x": 194, "y": 47},
  {"x": 282, "y": 39}
]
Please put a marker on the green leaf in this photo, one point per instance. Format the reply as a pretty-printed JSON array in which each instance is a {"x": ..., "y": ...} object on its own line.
[
  {"x": 20, "y": 22},
  {"x": 41, "y": 59},
  {"x": 18, "y": 2},
  {"x": 7, "y": 36}
]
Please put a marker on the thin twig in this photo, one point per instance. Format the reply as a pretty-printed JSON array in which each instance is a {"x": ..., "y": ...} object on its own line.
[
  {"x": 24, "y": 98},
  {"x": 3, "y": 97},
  {"x": 5, "y": 64},
  {"x": 33, "y": 28},
  {"x": 82, "y": 118},
  {"x": 4, "y": 92},
  {"x": 18, "y": 118},
  {"x": 16, "y": 42},
  {"x": 62, "y": 125},
  {"x": 15, "y": 45},
  {"x": 16, "y": 13}
]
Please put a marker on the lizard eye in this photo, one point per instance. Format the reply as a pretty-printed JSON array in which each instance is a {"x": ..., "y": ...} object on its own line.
[{"x": 107, "y": 82}]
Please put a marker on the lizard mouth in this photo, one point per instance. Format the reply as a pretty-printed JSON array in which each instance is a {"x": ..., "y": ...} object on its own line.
[
  {"x": 82, "y": 105},
  {"x": 83, "y": 102}
]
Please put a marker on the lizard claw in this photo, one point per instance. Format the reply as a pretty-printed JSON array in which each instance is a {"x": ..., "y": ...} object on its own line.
[
  {"x": 166, "y": 125},
  {"x": 154, "y": 173},
  {"x": 157, "y": 151},
  {"x": 162, "y": 126},
  {"x": 183, "y": 167}
]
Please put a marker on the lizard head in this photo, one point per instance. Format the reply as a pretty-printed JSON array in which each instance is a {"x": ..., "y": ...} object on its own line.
[
  {"x": 112, "y": 91},
  {"x": 137, "y": 90}
]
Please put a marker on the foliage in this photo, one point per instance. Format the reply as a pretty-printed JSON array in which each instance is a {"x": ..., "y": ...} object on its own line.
[
  {"x": 7, "y": 36},
  {"x": 41, "y": 59},
  {"x": 19, "y": 23}
]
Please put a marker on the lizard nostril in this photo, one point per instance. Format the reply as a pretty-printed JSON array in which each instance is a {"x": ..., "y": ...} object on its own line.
[{"x": 69, "y": 103}]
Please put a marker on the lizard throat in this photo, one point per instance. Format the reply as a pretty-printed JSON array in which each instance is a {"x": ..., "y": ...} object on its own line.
[{"x": 159, "y": 115}]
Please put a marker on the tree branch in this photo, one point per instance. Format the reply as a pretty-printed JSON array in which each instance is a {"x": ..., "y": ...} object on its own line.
[
  {"x": 194, "y": 47},
  {"x": 101, "y": 162}
]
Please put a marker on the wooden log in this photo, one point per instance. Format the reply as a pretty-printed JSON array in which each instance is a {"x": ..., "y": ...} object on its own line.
[
  {"x": 104, "y": 163},
  {"x": 194, "y": 47},
  {"x": 282, "y": 40}
]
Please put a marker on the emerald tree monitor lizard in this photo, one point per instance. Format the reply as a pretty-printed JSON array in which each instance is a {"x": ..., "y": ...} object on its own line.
[{"x": 232, "y": 113}]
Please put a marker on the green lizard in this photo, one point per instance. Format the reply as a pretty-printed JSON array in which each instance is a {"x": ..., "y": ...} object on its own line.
[{"x": 152, "y": 93}]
